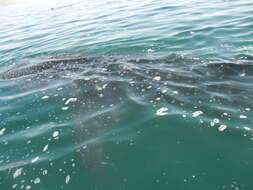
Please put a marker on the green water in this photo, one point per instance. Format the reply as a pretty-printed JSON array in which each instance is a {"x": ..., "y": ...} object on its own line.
[{"x": 126, "y": 95}]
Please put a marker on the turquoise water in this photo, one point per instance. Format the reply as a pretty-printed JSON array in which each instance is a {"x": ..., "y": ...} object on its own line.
[{"x": 126, "y": 95}]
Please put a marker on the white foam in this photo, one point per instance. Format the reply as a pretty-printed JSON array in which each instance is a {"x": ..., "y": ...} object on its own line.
[
  {"x": 247, "y": 128},
  {"x": 222, "y": 127},
  {"x": 45, "y": 148},
  {"x": 56, "y": 133},
  {"x": 17, "y": 173},
  {"x": 162, "y": 111},
  {"x": 37, "y": 180},
  {"x": 67, "y": 179},
  {"x": 45, "y": 97},
  {"x": 197, "y": 113},
  {"x": 215, "y": 120},
  {"x": 44, "y": 172},
  {"x": 243, "y": 116},
  {"x": 70, "y": 100},
  {"x": 35, "y": 159},
  {"x": 2, "y": 131},
  {"x": 65, "y": 108},
  {"x": 157, "y": 78}
]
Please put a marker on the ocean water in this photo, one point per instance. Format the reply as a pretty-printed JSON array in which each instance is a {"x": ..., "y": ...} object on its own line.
[{"x": 126, "y": 95}]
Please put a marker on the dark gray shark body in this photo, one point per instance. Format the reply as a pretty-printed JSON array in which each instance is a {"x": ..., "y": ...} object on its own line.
[
  {"x": 77, "y": 62},
  {"x": 190, "y": 75}
]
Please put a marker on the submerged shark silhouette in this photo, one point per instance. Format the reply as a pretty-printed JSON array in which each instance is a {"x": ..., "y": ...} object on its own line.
[{"x": 102, "y": 83}]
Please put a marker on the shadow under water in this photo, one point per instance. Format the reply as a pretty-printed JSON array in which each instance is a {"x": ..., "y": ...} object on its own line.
[{"x": 126, "y": 122}]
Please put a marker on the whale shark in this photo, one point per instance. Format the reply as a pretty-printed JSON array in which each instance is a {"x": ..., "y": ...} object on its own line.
[{"x": 102, "y": 92}]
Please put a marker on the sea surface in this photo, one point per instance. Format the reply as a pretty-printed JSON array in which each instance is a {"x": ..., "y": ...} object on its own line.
[{"x": 126, "y": 95}]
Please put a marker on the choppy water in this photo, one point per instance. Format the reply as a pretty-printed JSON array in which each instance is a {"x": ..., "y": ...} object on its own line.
[{"x": 126, "y": 95}]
